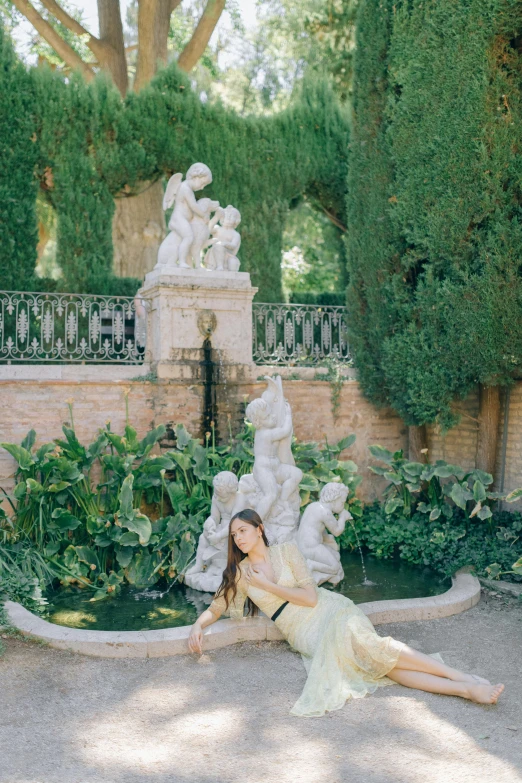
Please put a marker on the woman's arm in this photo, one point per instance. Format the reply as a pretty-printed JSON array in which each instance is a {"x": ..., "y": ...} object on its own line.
[
  {"x": 195, "y": 640},
  {"x": 302, "y": 596}
]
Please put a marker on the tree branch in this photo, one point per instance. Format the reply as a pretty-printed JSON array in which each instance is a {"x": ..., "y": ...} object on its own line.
[
  {"x": 47, "y": 31},
  {"x": 201, "y": 36}
]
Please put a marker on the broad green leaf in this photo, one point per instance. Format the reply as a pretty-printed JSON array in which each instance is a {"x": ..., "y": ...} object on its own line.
[
  {"x": 378, "y": 470},
  {"x": 413, "y": 487},
  {"x": 124, "y": 555},
  {"x": 155, "y": 464},
  {"x": 97, "y": 447},
  {"x": 424, "y": 508},
  {"x": 395, "y": 478},
  {"x": 435, "y": 514},
  {"x": 52, "y": 548},
  {"x": 428, "y": 473},
  {"x": 87, "y": 555},
  {"x": 118, "y": 442},
  {"x": 381, "y": 454},
  {"x": 141, "y": 569},
  {"x": 139, "y": 524},
  {"x": 514, "y": 495},
  {"x": 95, "y": 525},
  {"x": 517, "y": 567},
  {"x": 183, "y": 437},
  {"x": 482, "y": 476},
  {"x": 309, "y": 482},
  {"x": 177, "y": 495},
  {"x": 43, "y": 450},
  {"x": 34, "y": 487},
  {"x": 182, "y": 459},
  {"x": 29, "y": 440},
  {"x": 150, "y": 439},
  {"x": 20, "y": 490},
  {"x": 305, "y": 498},
  {"x": 413, "y": 468},
  {"x": 494, "y": 570},
  {"x": 344, "y": 443},
  {"x": 459, "y": 496},
  {"x": 479, "y": 491},
  {"x": 21, "y": 455},
  {"x": 392, "y": 504},
  {"x": 129, "y": 539},
  {"x": 201, "y": 465},
  {"x": 70, "y": 558},
  {"x": 64, "y": 520},
  {"x": 484, "y": 513},
  {"x": 131, "y": 437},
  {"x": 126, "y": 509},
  {"x": 347, "y": 465},
  {"x": 59, "y": 486}
]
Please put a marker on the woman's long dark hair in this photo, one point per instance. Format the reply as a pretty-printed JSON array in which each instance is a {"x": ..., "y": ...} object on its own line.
[{"x": 228, "y": 587}]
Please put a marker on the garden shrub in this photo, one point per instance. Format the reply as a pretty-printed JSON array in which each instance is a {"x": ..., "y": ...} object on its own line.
[{"x": 434, "y": 202}]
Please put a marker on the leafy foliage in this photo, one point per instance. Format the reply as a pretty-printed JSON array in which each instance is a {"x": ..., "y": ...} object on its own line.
[
  {"x": 90, "y": 146},
  {"x": 436, "y": 489},
  {"x": 116, "y": 510},
  {"x": 444, "y": 544},
  {"x": 434, "y": 202}
]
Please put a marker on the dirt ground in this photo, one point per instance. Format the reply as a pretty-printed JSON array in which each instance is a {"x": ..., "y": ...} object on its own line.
[{"x": 66, "y": 718}]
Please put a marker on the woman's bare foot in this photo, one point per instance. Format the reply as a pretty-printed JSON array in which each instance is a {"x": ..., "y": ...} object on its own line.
[{"x": 485, "y": 694}]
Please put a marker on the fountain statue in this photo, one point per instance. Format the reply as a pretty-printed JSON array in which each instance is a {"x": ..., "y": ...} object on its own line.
[
  {"x": 211, "y": 556},
  {"x": 272, "y": 489},
  {"x": 314, "y": 537},
  {"x": 192, "y": 230}
]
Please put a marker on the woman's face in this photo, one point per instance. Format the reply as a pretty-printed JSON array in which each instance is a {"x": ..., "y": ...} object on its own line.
[{"x": 244, "y": 535}]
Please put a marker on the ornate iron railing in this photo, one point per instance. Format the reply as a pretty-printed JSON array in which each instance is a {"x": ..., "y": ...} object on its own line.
[
  {"x": 299, "y": 334},
  {"x": 47, "y": 327}
]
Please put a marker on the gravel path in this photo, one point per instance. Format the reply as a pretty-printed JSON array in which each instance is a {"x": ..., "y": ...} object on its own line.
[{"x": 65, "y": 718}]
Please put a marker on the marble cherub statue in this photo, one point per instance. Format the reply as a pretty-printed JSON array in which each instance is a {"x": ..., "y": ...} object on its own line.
[
  {"x": 314, "y": 537},
  {"x": 189, "y": 222},
  {"x": 248, "y": 493},
  {"x": 272, "y": 419},
  {"x": 207, "y": 571},
  {"x": 225, "y": 242}
]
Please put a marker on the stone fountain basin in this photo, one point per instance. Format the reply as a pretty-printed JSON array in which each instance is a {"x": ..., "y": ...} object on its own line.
[{"x": 463, "y": 594}]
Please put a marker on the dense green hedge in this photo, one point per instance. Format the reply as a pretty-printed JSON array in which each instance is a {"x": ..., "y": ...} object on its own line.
[
  {"x": 318, "y": 298},
  {"x": 90, "y": 146},
  {"x": 434, "y": 201},
  {"x": 18, "y": 156},
  {"x": 445, "y": 545}
]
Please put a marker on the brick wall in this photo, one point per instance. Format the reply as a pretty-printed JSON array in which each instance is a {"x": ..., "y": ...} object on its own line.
[{"x": 37, "y": 399}]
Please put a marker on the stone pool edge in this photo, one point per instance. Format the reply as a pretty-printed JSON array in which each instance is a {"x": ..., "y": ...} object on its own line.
[{"x": 462, "y": 595}]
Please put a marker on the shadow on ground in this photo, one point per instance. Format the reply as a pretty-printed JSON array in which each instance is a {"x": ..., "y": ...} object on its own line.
[{"x": 65, "y": 718}]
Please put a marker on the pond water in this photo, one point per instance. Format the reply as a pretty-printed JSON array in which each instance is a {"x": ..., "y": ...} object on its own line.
[{"x": 138, "y": 609}]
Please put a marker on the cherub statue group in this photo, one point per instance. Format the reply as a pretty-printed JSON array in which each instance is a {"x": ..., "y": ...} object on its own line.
[
  {"x": 192, "y": 230},
  {"x": 272, "y": 489}
]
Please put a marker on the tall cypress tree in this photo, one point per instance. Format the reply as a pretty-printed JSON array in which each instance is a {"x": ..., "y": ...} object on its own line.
[
  {"x": 18, "y": 158},
  {"x": 438, "y": 309}
]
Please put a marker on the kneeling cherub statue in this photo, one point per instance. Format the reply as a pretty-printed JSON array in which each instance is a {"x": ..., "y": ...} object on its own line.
[
  {"x": 314, "y": 537},
  {"x": 207, "y": 571}
]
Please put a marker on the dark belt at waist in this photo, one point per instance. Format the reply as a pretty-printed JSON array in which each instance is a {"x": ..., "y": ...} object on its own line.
[{"x": 278, "y": 611}]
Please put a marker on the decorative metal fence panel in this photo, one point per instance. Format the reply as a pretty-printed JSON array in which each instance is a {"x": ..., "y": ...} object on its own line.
[
  {"x": 299, "y": 334},
  {"x": 46, "y": 327}
]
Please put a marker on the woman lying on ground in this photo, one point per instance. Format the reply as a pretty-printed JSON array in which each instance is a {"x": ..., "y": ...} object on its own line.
[{"x": 343, "y": 655}]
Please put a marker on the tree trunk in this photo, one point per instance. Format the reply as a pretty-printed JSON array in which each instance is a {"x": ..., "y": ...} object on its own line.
[
  {"x": 199, "y": 41},
  {"x": 138, "y": 228},
  {"x": 489, "y": 417},
  {"x": 111, "y": 36},
  {"x": 417, "y": 442}
]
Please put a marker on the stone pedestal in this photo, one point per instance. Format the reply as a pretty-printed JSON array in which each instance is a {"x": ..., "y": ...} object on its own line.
[{"x": 185, "y": 306}]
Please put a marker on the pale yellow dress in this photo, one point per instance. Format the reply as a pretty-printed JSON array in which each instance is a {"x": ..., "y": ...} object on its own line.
[{"x": 343, "y": 655}]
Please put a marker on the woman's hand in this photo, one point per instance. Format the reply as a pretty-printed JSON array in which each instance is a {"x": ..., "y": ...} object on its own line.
[
  {"x": 195, "y": 640},
  {"x": 257, "y": 578}
]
